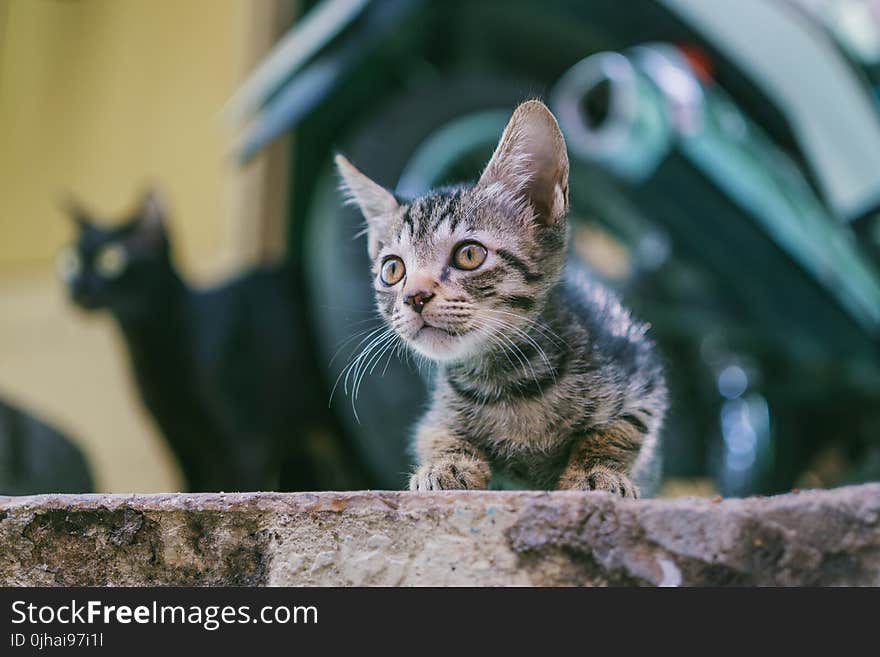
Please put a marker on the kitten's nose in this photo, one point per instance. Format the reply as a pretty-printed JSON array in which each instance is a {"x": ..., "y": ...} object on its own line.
[{"x": 418, "y": 300}]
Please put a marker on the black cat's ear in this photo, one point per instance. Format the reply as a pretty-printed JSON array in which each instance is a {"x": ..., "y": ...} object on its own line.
[
  {"x": 377, "y": 204},
  {"x": 150, "y": 217},
  {"x": 71, "y": 207},
  {"x": 531, "y": 162}
]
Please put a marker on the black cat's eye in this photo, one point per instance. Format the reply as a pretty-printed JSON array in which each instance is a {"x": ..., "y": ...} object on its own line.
[
  {"x": 392, "y": 270},
  {"x": 111, "y": 261},
  {"x": 469, "y": 255},
  {"x": 68, "y": 264}
]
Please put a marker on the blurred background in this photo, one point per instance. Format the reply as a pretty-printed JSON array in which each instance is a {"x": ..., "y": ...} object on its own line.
[{"x": 725, "y": 179}]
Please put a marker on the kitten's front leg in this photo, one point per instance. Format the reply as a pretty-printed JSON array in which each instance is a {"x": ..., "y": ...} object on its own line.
[
  {"x": 602, "y": 460},
  {"x": 448, "y": 462}
]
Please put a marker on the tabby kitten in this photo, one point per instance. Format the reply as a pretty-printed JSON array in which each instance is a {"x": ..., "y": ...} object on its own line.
[{"x": 542, "y": 375}]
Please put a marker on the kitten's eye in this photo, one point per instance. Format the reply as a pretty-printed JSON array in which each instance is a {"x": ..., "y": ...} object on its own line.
[
  {"x": 68, "y": 264},
  {"x": 111, "y": 261},
  {"x": 392, "y": 270},
  {"x": 469, "y": 255}
]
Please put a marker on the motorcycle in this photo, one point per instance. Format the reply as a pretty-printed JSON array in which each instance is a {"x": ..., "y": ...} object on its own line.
[{"x": 720, "y": 189}]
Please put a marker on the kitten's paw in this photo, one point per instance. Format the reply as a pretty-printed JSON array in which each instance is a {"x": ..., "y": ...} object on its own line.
[
  {"x": 450, "y": 474},
  {"x": 602, "y": 479}
]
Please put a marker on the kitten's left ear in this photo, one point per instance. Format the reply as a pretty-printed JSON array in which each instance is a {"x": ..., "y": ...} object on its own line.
[
  {"x": 531, "y": 162},
  {"x": 377, "y": 204}
]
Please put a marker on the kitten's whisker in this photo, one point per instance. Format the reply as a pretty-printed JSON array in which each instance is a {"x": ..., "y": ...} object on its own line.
[
  {"x": 363, "y": 356},
  {"x": 532, "y": 342},
  {"x": 372, "y": 336},
  {"x": 353, "y": 337},
  {"x": 389, "y": 349},
  {"x": 362, "y": 369},
  {"x": 342, "y": 372},
  {"x": 491, "y": 335},
  {"x": 520, "y": 356},
  {"x": 371, "y": 364},
  {"x": 515, "y": 350},
  {"x": 518, "y": 352},
  {"x": 537, "y": 347},
  {"x": 348, "y": 309},
  {"x": 395, "y": 353},
  {"x": 354, "y": 361},
  {"x": 541, "y": 327}
]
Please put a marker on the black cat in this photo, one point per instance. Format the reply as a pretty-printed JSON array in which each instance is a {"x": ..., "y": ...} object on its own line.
[
  {"x": 226, "y": 373},
  {"x": 37, "y": 458}
]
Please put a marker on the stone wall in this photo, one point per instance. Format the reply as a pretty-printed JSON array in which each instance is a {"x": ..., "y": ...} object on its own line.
[{"x": 451, "y": 538}]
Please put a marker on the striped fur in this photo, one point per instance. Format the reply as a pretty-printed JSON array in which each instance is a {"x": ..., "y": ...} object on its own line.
[{"x": 543, "y": 377}]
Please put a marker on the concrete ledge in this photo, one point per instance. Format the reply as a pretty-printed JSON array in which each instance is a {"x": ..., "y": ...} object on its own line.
[{"x": 454, "y": 538}]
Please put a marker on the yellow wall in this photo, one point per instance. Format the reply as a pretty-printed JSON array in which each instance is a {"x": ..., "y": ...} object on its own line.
[{"x": 97, "y": 97}]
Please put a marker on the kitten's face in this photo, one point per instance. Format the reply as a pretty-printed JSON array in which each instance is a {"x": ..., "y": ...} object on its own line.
[
  {"x": 462, "y": 268},
  {"x": 115, "y": 267},
  {"x": 459, "y": 269}
]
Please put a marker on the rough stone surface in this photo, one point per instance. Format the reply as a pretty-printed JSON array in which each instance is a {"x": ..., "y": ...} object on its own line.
[{"x": 452, "y": 538}]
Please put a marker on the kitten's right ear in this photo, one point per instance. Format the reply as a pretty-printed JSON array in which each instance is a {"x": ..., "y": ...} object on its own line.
[
  {"x": 531, "y": 162},
  {"x": 377, "y": 204}
]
